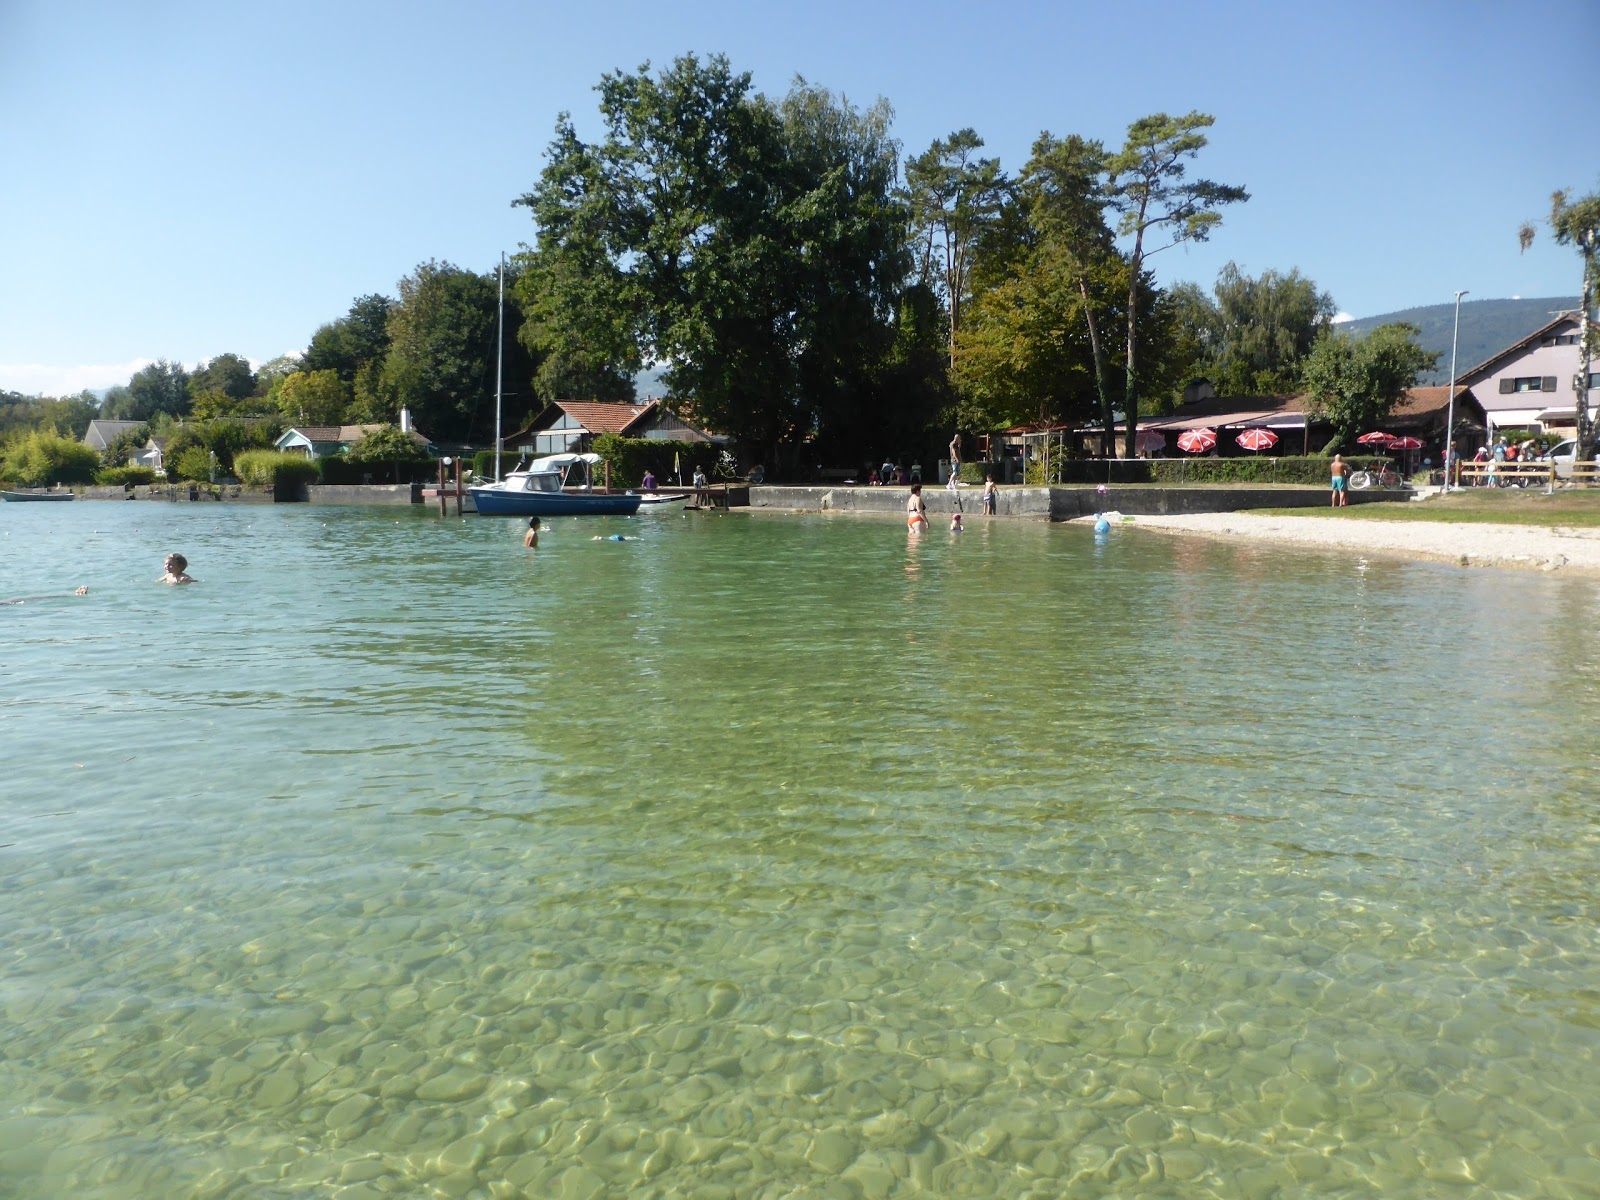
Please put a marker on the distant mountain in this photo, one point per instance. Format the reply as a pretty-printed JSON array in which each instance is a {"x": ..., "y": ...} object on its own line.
[{"x": 1487, "y": 327}]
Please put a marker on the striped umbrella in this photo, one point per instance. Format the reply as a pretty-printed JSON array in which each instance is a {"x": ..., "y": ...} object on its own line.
[
  {"x": 1197, "y": 441},
  {"x": 1257, "y": 439}
]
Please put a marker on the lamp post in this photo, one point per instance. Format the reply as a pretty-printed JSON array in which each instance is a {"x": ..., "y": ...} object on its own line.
[{"x": 1450, "y": 408}]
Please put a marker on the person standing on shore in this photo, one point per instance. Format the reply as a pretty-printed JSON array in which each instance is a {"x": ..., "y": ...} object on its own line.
[
  {"x": 1341, "y": 469},
  {"x": 988, "y": 495},
  {"x": 955, "y": 454},
  {"x": 916, "y": 510}
]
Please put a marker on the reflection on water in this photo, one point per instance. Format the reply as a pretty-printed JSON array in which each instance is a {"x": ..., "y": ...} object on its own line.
[{"x": 786, "y": 856}]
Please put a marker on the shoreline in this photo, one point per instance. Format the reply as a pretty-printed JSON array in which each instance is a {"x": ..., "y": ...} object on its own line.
[{"x": 1515, "y": 547}]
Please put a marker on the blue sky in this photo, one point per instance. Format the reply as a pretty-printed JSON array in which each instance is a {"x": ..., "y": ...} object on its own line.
[{"x": 182, "y": 179}]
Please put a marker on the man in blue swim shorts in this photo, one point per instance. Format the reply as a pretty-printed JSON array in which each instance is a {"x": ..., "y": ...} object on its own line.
[{"x": 1340, "y": 470}]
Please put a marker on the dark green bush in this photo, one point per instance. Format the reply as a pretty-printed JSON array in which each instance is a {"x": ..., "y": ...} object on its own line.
[
  {"x": 629, "y": 458},
  {"x": 125, "y": 476}
]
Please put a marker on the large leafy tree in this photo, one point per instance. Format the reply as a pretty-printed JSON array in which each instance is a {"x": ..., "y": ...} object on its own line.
[
  {"x": 314, "y": 398},
  {"x": 441, "y": 361},
  {"x": 353, "y": 341},
  {"x": 1354, "y": 383},
  {"x": 1267, "y": 325},
  {"x": 1577, "y": 223},
  {"x": 229, "y": 374},
  {"x": 751, "y": 247},
  {"x": 69, "y": 415},
  {"x": 955, "y": 197},
  {"x": 162, "y": 387},
  {"x": 1147, "y": 189},
  {"x": 1066, "y": 200}
]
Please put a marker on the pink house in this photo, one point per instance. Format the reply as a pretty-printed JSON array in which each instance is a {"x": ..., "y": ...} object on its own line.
[{"x": 1529, "y": 384}]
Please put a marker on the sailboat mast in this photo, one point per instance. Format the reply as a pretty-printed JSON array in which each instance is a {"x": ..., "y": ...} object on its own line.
[{"x": 499, "y": 366}]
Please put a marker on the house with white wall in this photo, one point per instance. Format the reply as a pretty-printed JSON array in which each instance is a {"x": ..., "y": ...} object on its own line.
[{"x": 1530, "y": 384}]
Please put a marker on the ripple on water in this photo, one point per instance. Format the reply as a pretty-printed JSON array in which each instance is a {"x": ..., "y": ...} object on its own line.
[{"x": 777, "y": 856}]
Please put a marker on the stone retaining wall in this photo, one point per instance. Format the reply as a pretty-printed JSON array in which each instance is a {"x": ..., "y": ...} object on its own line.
[{"x": 1057, "y": 503}]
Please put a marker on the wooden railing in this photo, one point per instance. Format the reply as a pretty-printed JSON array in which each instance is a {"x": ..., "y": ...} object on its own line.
[{"x": 1525, "y": 474}]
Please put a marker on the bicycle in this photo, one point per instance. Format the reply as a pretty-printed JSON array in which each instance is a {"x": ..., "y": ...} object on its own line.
[{"x": 1383, "y": 477}]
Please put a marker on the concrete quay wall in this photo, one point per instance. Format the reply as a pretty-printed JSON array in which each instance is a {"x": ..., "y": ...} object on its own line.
[{"x": 1054, "y": 503}]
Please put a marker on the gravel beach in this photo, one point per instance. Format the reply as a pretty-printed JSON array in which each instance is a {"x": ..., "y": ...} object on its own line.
[{"x": 1565, "y": 549}]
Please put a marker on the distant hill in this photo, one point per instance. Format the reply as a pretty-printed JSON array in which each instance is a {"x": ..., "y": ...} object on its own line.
[{"x": 1487, "y": 327}]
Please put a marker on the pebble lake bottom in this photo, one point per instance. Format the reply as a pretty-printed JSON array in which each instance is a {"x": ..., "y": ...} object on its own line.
[{"x": 786, "y": 857}]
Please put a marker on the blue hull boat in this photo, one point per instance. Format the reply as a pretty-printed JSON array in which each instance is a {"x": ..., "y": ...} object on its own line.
[{"x": 538, "y": 491}]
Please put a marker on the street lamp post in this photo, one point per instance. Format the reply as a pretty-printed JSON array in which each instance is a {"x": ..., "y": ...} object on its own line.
[{"x": 1450, "y": 408}]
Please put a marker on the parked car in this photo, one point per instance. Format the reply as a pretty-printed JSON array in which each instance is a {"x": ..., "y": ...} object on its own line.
[{"x": 1561, "y": 455}]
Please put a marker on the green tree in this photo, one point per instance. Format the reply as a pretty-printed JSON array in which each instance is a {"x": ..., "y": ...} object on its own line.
[
  {"x": 162, "y": 387},
  {"x": 1354, "y": 383},
  {"x": 120, "y": 450},
  {"x": 441, "y": 361},
  {"x": 954, "y": 197},
  {"x": 1066, "y": 199},
  {"x": 313, "y": 398},
  {"x": 754, "y": 247},
  {"x": 44, "y": 457},
  {"x": 358, "y": 338},
  {"x": 227, "y": 438},
  {"x": 1145, "y": 186},
  {"x": 68, "y": 415},
  {"x": 191, "y": 462},
  {"x": 1265, "y": 328},
  {"x": 227, "y": 374},
  {"x": 386, "y": 444},
  {"x": 1577, "y": 223}
]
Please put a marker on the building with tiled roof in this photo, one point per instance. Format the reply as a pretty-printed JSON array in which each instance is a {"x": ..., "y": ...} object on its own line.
[{"x": 570, "y": 426}]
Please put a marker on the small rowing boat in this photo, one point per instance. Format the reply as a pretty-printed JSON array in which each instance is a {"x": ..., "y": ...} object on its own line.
[{"x": 22, "y": 494}]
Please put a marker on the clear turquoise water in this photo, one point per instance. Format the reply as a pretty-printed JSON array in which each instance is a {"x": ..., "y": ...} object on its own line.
[{"x": 778, "y": 857}]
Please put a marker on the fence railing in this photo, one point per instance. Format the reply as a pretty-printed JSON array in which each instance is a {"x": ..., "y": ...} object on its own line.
[{"x": 1525, "y": 474}]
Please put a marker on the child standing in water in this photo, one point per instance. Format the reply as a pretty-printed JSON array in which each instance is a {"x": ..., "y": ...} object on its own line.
[{"x": 531, "y": 538}]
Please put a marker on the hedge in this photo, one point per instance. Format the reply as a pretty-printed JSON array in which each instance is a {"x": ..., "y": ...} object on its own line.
[
  {"x": 273, "y": 468},
  {"x": 1307, "y": 471},
  {"x": 629, "y": 458},
  {"x": 125, "y": 476}
]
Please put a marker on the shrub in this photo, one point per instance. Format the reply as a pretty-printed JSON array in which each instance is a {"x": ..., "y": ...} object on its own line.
[
  {"x": 125, "y": 476},
  {"x": 192, "y": 462},
  {"x": 273, "y": 468},
  {"x": 48, "y": 458},
  {"x": 630, "y": 458}
]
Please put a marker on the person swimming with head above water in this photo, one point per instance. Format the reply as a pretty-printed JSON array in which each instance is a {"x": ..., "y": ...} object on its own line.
[{"x": 177, "y": 568}]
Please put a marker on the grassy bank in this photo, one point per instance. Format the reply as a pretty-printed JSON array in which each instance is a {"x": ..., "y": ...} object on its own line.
[{"x": 1483, "y": 506}]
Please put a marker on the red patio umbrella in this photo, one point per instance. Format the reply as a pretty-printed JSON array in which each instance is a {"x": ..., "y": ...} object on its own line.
[
  {"x": 1149, "y": 439},
  {"x": 1257, "y": 439},
  {"x": 1405, "y": 443},
  {"x": 1376, "y": 438},
  {"x": 1197, "y": 441}
]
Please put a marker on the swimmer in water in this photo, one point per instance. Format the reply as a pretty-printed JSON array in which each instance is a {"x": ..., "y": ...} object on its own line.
[
  {"x": 82, "y": 591},
  {"x": 177, "y": 568},
  {"x": 531, "y": 538},
  {"x": 615, "y": 537}
]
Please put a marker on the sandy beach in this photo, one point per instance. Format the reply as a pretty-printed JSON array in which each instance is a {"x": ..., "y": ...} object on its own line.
[{"x": 1564, "y": 549}]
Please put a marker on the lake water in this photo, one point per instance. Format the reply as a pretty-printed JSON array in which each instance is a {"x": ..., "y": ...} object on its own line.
[{"x": 777, "y": 856}]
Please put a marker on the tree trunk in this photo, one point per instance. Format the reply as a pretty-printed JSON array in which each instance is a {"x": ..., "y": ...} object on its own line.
[{"x": 1584, "y": 450}]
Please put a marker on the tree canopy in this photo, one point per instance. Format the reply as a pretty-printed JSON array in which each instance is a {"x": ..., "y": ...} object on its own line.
[
  {"x": 754, "y": 248},
  {"x": 1354, "y": 383}
]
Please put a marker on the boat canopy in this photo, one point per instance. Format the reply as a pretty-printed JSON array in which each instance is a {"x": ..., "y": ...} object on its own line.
[{"x": 560, "y": 462}]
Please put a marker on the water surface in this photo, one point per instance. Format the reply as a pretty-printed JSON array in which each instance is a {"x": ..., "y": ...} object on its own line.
[{"x": 785, "y": 856}]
